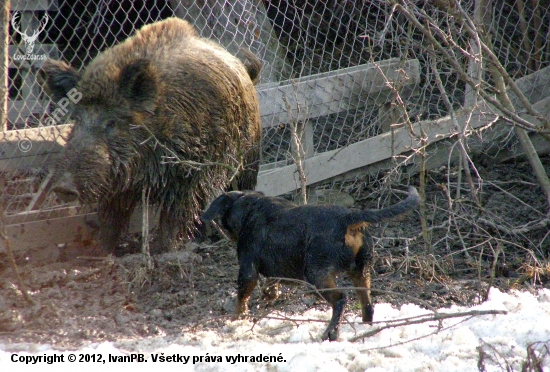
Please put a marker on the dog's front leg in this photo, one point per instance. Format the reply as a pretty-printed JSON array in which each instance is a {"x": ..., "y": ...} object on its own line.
[
  {"x": 248, "y": 277},
  {"x": 333, "y": 329}
]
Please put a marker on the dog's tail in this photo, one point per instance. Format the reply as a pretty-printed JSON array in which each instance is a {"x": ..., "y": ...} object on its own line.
[{"x": 378, "y": 215}]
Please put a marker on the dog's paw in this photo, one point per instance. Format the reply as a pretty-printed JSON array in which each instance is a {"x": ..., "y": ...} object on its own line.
[
  {"x": 330, "y": 334},
  {"x": 238, "y": 317},
  {"x": 368, "y": 314},
  {"x": 240, "y": 313}
]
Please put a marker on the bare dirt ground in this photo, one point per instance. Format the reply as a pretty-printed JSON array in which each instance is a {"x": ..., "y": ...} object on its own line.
[{"x": 85, "y": 296}]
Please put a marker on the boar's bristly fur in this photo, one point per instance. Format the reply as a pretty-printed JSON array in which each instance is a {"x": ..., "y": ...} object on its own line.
[{"x": 161, "y": 96}]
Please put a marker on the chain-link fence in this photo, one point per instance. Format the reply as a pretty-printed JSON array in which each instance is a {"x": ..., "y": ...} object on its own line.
[{"x": 353, "y": 75}]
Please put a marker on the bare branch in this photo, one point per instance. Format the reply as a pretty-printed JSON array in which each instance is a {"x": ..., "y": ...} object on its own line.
[{"x": 427, "y": 318}]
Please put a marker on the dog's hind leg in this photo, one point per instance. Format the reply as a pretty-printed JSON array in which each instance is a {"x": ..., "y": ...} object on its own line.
[
  {"x": 361, "y": 276},
  {"x": 248, "y": 277},
  {"x": 327, "y": 288},
  {"x": 362, "y": 281}
]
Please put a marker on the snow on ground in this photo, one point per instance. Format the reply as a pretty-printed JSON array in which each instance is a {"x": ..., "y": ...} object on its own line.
[{"x": 295, "y": 346}]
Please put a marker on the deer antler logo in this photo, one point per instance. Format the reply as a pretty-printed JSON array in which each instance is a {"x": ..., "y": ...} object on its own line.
[{"x": 29, "y": 39}]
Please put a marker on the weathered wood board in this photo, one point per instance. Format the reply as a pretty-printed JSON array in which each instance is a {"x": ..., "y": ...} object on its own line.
[
  {"x": 27, "y": 148},
  {"x": 336, "y": 162},
  {"x": 328, "y": 93},
  {"x": 37, "y": 230}
]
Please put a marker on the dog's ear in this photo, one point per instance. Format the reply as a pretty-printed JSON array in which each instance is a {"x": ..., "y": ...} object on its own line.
[{"x": 221, "y": 205}]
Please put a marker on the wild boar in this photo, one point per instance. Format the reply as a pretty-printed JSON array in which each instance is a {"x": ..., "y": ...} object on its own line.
[{"x": 165, "y": 111}]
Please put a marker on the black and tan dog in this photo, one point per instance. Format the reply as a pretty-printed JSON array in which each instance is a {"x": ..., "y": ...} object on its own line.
[{"x": 277, "y": 238}]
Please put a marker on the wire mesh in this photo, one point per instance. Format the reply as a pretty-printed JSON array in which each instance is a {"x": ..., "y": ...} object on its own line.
[{"x": 303, "y": 42}]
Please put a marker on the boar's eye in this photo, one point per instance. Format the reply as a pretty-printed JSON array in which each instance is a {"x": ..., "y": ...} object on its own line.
[
  {"x": 110, "y": 126},
  {"x": 74, "y": 118}
]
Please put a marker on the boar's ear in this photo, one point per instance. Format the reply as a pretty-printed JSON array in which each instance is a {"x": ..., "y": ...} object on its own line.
[
  {"x": 57, "y": 78},
  {"x": 138, "y": 83},
  {"x": 221, "y": 205}
]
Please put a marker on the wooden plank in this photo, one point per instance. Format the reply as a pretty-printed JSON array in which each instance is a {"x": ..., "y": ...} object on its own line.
[
  {"x": 26, "y": 148},
  {"x": 38, "y": 215},
  {"x": 41, "y": 234},
  {"x": 535, "y": 87},
  {"x": 542, "y": 107},
  {"x": 332, "y": 92},
  {"x": 514, "y": 150},
  {"x": 62, "y": 226},
  {"x": 19, "y": 110},
  {"x": 336, "y": 162},
  {"x": 438, "y": 153}
]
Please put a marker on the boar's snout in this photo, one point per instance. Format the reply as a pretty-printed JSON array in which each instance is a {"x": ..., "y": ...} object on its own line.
[{"x": 65, "y": 188}]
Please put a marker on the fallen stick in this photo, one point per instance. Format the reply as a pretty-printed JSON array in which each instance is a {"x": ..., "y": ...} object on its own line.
[{"x": 427, "y": 318}]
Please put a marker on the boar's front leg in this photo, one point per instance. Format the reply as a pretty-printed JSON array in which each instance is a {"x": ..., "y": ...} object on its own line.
[
  {"x": 170, "y": 223},
  {"x": 114, "y": 217}
]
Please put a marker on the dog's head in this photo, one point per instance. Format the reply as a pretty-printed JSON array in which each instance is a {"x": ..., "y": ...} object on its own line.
[{"x": 232, "y": 208}]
